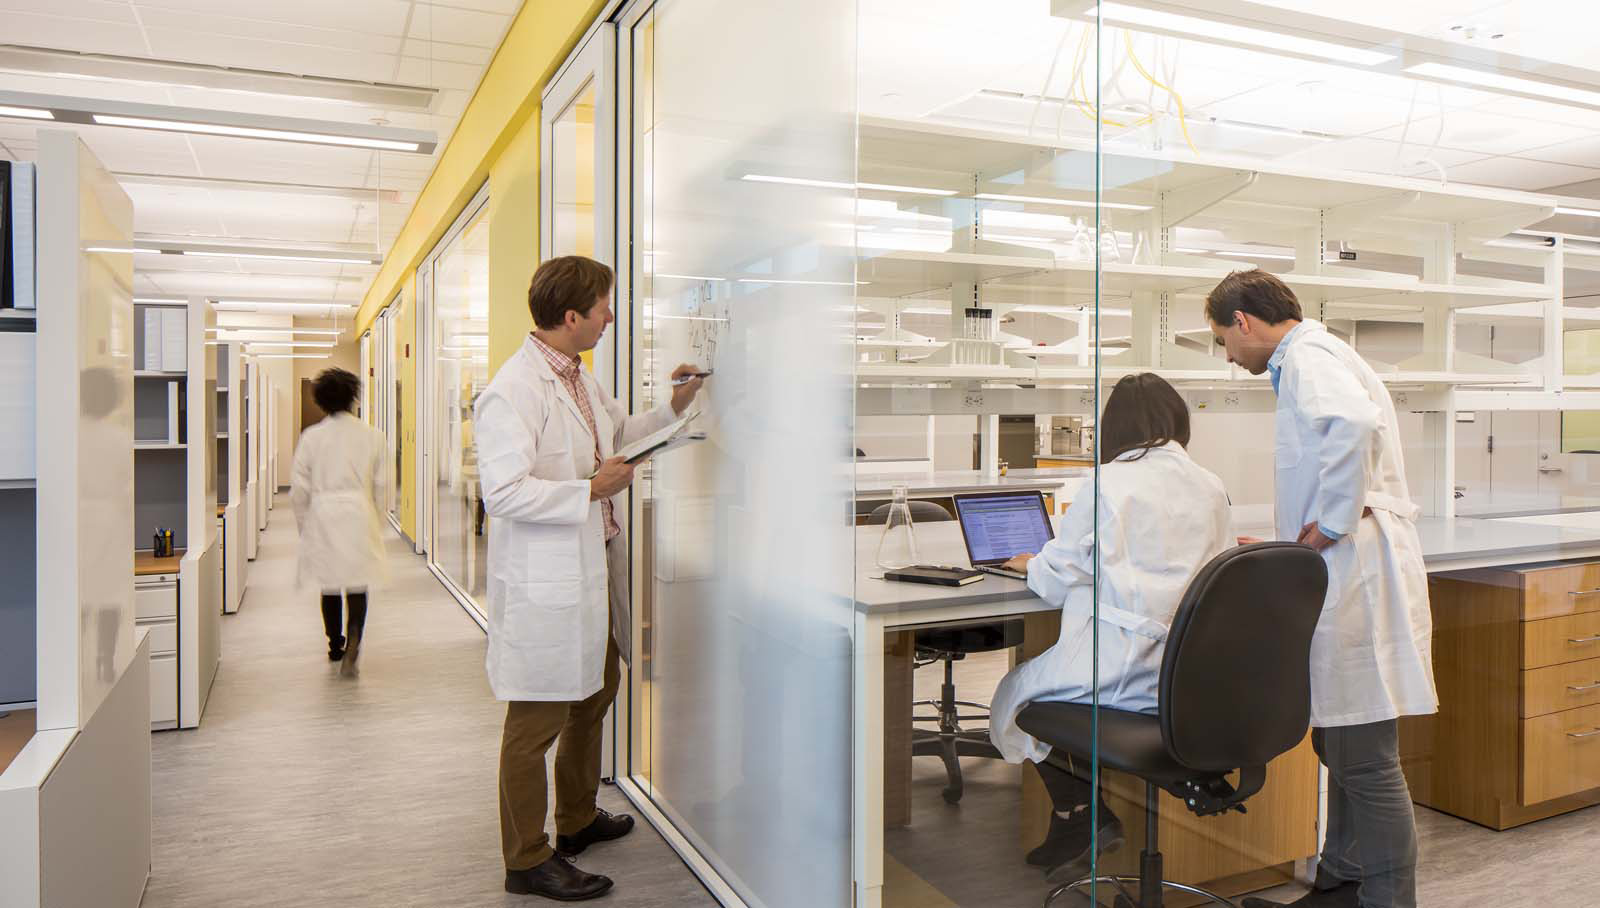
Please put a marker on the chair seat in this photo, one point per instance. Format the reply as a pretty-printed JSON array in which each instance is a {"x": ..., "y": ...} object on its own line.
[
  {"x": 1129, "y": 742},
  {"x": 974, "y": 638}
]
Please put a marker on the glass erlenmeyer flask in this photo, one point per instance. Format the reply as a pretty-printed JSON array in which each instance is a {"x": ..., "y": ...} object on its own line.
[{"x": 898, "y": 547}]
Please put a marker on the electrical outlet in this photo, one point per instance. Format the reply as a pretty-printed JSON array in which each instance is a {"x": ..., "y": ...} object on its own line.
[
  {"x": 973, "y": 400},
  {"x": 1400, "y": 399},
  {"x": 1230, "y": 400}
]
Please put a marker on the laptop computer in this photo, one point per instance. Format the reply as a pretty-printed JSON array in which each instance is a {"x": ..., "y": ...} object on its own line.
[{"x": 997, "y": 526}]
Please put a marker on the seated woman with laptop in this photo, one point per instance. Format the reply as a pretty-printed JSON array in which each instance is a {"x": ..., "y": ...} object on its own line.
[{"x": 1161, "y": 518}]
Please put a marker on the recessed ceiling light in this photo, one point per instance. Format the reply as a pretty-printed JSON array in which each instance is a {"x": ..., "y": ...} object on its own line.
[
  {"x": 26, "y": 113},
  {"x": 1501, "y": 80},
  {"x": 1193, "y": 26}
]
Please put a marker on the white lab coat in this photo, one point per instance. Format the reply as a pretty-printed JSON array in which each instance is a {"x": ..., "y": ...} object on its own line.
[
  {"x": 1337, "y": 454},
  {"x": 549, "y": 613},
  {"x": 1161, "y": 518},
  {"x": 337, "y": 482}
]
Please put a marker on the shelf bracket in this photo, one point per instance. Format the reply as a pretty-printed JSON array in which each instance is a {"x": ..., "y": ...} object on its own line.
[
  {"x": 1180, "y": 205},
  {"x": 1340, "y": 218}
]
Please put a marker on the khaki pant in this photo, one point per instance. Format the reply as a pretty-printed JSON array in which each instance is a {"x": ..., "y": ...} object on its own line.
[{"x": 531, "y": 727}]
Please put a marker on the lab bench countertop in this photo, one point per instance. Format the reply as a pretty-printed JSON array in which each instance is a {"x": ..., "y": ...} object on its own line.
[
  {"x": 953, "y": 482},
  {"x": 1447, "y": 545},
  {"x": 1492, "y": 507}
]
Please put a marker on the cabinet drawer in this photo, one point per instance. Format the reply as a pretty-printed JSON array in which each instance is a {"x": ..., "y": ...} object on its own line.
[
  {"x": 157, "y": 600},
  {"x": 1557, "y": 687},
  {"x": 164, "y": 691},
  {"x": 163, "y": 634},
  {"x": 1560, "y": 591},
  {"x": 1558, "y": 640}
]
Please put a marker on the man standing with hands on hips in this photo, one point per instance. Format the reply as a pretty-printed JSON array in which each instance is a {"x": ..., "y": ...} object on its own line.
[
  {"x": 1341, "y": 489},
  {"x": 559, "y": 614}
]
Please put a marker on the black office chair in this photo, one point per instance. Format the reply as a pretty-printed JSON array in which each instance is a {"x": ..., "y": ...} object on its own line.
[
  {"x": 1235, "y": 692},
  {"x": 950, "y": 645}
]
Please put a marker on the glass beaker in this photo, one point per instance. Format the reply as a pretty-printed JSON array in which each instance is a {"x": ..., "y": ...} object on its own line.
[{"x": 898, "y": 546}]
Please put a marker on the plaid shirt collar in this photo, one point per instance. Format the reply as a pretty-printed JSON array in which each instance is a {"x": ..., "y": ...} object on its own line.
[{"x": 565, "y": 367}]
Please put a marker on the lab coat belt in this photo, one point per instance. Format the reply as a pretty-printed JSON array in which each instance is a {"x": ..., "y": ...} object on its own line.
[{"x": 1400, "y": 507}]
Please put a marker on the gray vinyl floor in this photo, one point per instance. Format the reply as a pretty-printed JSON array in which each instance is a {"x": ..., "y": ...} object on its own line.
[{"x": 301, "y": 788}]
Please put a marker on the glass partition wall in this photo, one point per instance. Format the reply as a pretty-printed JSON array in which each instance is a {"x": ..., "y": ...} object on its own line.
[
  {"x": 921, "y": 244},
  {"x": 456, "y": 319}
]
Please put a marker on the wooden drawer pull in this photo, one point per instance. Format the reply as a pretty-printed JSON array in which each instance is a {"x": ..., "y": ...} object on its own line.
[
  {"x": 1582, "y": 687},
  {"x": 1583, "y": 639},
  {"x": 1584, "y": 734}
]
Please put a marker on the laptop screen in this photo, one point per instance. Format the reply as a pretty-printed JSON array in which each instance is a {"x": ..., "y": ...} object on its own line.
[{"x": 999, "y": 526}]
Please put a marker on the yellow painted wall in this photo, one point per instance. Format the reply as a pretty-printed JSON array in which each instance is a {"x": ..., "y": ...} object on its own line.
[{"x": 497, "y": 139}]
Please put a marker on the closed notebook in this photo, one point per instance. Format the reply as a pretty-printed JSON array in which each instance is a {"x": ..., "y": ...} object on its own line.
[{"x": 937, "y": 576}]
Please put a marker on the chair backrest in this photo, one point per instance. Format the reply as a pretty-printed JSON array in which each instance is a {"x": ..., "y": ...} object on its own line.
[
  {"x": 921, "y": 512},
  {"x": 1236, "y": 674}
]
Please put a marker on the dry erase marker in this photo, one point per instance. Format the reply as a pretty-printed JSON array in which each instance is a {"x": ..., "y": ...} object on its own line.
[{"x": 692, "y": 376}]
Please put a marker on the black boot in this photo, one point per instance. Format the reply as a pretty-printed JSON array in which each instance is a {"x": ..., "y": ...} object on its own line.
[
  {"x": 557, "y": 879},
  {"x": 1072, "y": 858},
  {"x": 603, "y": 828},
  {"x": 335, "y": 649},
  {"x": 1338, "y": 895}
]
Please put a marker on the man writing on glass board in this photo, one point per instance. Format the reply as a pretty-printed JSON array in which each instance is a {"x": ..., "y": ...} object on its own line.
[
  {"x": 1341, "y": 489},
  {"x": 559, "y": 614}
]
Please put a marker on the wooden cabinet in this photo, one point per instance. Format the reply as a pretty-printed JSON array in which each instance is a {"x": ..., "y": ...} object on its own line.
[{"x": 1516, "y": 654}]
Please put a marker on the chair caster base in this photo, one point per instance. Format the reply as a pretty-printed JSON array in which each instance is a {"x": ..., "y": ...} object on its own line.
[{"x": 1125, "y": 898}]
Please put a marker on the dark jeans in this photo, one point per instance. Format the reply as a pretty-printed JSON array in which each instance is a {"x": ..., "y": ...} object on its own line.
[
  {"x": 331, "y": 613},
  {"x": 1068, "y": 792},
  {"x": 1372, "y": 833}
]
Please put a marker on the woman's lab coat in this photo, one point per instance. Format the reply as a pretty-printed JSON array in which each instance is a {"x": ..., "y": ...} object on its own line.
[
  {"x": 337, "y": 483},
  {"x": 549, "y": 613},
  {"x": 1161, "y": 518},
  {"x": 1337, "y": 455}
]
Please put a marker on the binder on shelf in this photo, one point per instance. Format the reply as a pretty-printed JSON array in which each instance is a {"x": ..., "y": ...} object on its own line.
[
  {"x": 152, "y": 340},
  {"x": 20, "y": 232},
  {"x": 173, "y": 398},
  {"x": 174, "y": 339}
]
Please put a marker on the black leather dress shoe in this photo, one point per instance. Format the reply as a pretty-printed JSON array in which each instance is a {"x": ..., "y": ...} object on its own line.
[
  {"x": 604, "y": 828},
  {"x": 557, "y": 879},
  {"x": 1341, "y": 896}
]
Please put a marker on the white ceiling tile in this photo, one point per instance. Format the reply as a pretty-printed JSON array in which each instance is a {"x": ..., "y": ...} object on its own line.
[
  {"x": 1374, "y": 156},
  {"x": 201, "y": 24},
  {"x": 103, "y": 10},
  {"x": 1485, "y": 133},
  {"x": 458, "y": 26},
  {"x": 1319, "y": 107},
  {"x": 1518, "y": 173},
  {"x": 372, "y": 17},
  {"x": 449, "y": 53},
  {"x": 438, "y": 73},
  {"x": 1582, "y": 153},
  {"x": 503, "y": 7},
  {"x": 1544, "y": 110},
  {"x": 89, "y": 35}
]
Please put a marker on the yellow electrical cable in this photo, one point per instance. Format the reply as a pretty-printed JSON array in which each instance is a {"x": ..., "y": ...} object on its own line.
[{"x": 1183, "y": 117}]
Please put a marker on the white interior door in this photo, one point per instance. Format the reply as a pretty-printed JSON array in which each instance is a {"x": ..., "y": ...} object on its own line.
[{"x": 578, "y": 172}]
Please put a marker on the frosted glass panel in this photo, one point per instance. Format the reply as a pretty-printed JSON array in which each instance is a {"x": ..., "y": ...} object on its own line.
[{"x": 745, "y": 684}]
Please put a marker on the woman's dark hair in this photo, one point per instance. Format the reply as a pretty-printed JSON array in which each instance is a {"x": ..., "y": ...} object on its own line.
[
  {"x": 1143, "y": 412},
  {"x": 1253, "y": 292},
  {"x": 570, "y": 282},
  {"x": 335, "y": 390}
]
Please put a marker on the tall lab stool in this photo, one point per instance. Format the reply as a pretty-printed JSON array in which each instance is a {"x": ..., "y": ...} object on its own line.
[
  {"x": 1235, "y": 692},
  {"x": 950, "y": 645}
]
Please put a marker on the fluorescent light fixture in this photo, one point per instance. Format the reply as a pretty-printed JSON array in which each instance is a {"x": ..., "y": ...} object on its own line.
[
  {"x": 1068, "y": 203},
  {"x": 116, "y": 250},
  {"x": 688, "y": 277},
  {"x": 151, "y": 299},
  {"x": 1193, "y": 26},
  {"x": 26, "y": 113},
  {"x": 1580, "y": 212},
  {"x": 169, "y": 118},
  {"x": 1237, "y": 252},
  {"x": 1501, "y": 80},
  {"x": 690, "y": 318},
  {"x": 274, "y": 256},
  {"x": 277, "y": 306},
  {"x": 280, "y": 332},
  {"x": 833, "y": 184},
  {"x": 290, "y": 355},
  {"x": 289, "y": 344},
  {"x": 250, "y": 132}
]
